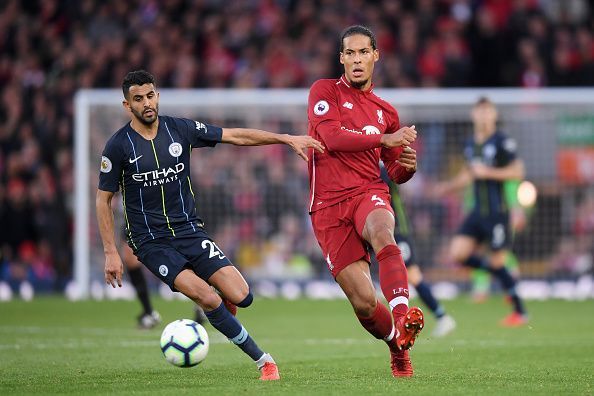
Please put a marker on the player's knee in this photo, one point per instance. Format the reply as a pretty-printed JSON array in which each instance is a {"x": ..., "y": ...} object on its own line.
[
  {"x": 247, "y": 301},
  {"x": 381, "y": 238},
  {"x": 206, "y": 299}
]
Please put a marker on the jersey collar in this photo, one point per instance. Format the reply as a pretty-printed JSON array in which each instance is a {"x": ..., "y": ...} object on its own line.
[{"x": 344, "y": 80}]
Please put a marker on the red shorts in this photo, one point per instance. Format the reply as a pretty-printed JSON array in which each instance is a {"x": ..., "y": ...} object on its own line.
[{"x": 339, "y": 228}]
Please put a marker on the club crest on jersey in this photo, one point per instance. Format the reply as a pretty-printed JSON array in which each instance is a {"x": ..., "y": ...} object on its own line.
[
  {"x": 380, "y": 117},
  {"x": 489, "y": 151},
  {"x": 105, "y": 164},
  {"x": 175, "y": 149},
  {"x": 163, "y": 270},
  {"x": 321, "y": 108},
  {"x": 371, "y": 130}
]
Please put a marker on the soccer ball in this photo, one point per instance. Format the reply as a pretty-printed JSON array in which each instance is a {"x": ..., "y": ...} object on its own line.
[{"x": 184, "y": 343}]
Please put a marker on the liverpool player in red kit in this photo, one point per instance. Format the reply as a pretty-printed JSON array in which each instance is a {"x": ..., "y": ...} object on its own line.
[{"x": 350, "y": 204}]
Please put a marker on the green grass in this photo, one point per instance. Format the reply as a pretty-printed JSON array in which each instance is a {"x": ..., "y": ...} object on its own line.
[{"x": 51, "y": 346}]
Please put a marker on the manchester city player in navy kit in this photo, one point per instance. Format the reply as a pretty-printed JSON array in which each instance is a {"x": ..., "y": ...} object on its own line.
[
  {"x": 491, "y": 160},
  {"x": 148, "y": 161}
]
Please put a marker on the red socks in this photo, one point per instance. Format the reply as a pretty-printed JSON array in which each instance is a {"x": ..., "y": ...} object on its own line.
[
  {"x": 379, "y": 324},
  {"x": 393, "y": 279}
]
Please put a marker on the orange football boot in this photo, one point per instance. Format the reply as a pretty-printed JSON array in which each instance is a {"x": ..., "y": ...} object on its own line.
[
  {"x": 514, "y": 319},
  {"x": 269, "y": 372},
  {"x": 408, "y": 328},
  {"x": 400, "y": 363}
]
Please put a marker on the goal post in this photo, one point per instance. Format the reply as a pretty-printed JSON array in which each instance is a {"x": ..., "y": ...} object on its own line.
[{"x": 554, "y": 129}]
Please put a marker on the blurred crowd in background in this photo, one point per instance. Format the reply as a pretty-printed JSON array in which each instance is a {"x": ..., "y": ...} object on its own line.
[{"x": 49, "y": 49}]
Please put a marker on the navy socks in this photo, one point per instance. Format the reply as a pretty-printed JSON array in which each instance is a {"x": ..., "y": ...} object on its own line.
[{"x": 223, "y": 321}]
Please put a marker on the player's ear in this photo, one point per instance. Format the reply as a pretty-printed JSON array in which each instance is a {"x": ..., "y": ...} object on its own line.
[
  {"x": 341, "y": 58},
  {"x": 126, "y": 105},
  {"x": 375, "y": 55}
]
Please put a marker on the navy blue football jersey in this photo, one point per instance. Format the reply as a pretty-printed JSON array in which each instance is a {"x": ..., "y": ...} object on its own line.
[
  {"x": 498, "y": 151},
  {"x": 154, "y": 177}
]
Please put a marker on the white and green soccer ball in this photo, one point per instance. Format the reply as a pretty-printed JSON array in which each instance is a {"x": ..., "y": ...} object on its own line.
[{"x": 184, "y": 343}]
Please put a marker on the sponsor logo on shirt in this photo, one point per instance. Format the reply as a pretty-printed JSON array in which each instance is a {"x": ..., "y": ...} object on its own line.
[
  {"x": 159, "y": 177},
  {"x": 321, "y": 108},
  {"x": 348, "y": 105},
  {"x": 351, "y": 130},
  {"x": 371, "y": 130}
]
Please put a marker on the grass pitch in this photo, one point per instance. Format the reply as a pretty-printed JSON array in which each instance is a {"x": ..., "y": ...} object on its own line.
[{"x": 52, "y": 346}]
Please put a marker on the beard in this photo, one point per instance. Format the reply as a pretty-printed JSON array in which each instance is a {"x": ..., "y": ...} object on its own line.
[
  {"x": 359, "y": 84},
  {"x": 145, "y": 119}
]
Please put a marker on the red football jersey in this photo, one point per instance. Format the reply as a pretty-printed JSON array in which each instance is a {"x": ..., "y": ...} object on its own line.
[{"x": 349, "y": 122}]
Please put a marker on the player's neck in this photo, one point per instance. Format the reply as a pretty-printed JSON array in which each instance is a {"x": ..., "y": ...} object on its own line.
[
  {"x": 146, "y": 131},
  {"x": 483, "y": 132}
]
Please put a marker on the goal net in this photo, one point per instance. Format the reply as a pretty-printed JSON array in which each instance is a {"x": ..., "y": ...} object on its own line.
[{"x": 254, "y": 200}]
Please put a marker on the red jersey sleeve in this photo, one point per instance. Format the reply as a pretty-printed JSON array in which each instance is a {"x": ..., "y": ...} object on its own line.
[
  {"x": 389, "y": 156},
  {"x": 398, "y": 173},
  {"x": 324, "y": 115}
]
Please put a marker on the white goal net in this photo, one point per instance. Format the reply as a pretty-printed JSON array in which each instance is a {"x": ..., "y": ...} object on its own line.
[{"x": 254, "y": 200}]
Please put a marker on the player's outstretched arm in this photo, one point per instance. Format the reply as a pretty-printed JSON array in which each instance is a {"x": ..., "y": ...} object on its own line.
[
  {"x": 459, "y": 182},
  {"x": 256, "y": 137},
  {"x": 114, "y": 267},
  {"x": 513, "y": 171}
]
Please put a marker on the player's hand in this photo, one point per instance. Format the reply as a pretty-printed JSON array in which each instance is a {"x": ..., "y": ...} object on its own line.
[
  {"x": 114, "y": 268},
  {"x": 518, "y": 219},
  {"x": 408, "y": 159},
  {"x": 300, "y": 144},
  {"x": 402, "y": 137}
]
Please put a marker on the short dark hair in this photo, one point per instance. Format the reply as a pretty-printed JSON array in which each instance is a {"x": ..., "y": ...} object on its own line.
[
  {"x": 483, "y": 100},
  {"x": 136, "y": 77},
  {"x": 357, "y": 29}
]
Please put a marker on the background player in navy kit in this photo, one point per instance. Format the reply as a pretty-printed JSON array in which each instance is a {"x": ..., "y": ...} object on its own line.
[
  {"x": 491, "y": 159},
  {"x": 445, "y": 323},
  {"x": 148, "y": 160}
]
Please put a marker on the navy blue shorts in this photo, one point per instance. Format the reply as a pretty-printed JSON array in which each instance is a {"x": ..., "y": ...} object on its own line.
[
  {"x": 167, "y": 257},
  {"x": 493, "y": 229},
  {"x": 407, "y": 249}
]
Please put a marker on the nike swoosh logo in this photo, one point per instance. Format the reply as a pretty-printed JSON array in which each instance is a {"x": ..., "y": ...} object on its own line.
[{"x": 135, "y": 159}]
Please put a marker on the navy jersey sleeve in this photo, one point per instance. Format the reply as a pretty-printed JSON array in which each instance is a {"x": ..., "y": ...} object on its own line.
[
  {"x": 506, "y": 150},
  {"x": 198, "y": 133},
  {"x": 111, "y": 166}
]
